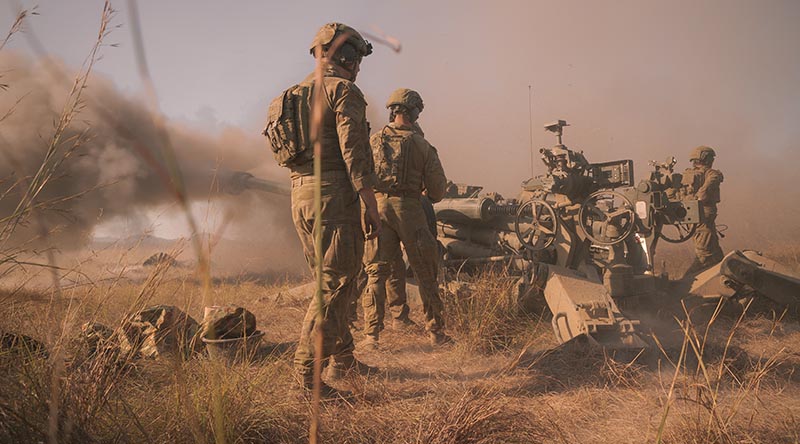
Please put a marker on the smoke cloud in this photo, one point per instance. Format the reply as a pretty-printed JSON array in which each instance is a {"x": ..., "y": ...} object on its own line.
[{"x": 114, "y": 172}]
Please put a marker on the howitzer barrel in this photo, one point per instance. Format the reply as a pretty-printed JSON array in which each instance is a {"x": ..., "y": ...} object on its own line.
[
  {"x": 477, "y": 209},
  {"x": 254, "y": 183},
  {"x": 240, "y": 181},
  {"x": 464, "y": 210}
]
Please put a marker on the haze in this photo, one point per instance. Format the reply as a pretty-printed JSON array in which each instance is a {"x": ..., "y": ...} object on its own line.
[{"x": 638, "y": 80}]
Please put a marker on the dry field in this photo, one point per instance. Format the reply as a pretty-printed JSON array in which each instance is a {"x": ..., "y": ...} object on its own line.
[
  {"x": 720, "y": 377},
  {"x": 711, "y": 375}
]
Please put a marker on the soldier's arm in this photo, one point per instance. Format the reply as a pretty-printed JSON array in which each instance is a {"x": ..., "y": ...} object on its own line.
[
  {"x": 710, "y": 184},
  {"x": 351, "y": 126},
  {"x": 434, "y": 180},
  {"x": 375, "y": 146}
]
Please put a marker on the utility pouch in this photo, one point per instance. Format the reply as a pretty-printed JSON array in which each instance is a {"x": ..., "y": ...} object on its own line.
[
  {"x": 288, "y": 126},
  {"x": 691, "y": 181}
]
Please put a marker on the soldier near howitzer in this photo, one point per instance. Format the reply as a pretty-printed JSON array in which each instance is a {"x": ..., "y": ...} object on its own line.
[
  {"x": 347, "y": 179},
  {"x": 406, "y": 165},
  {"x": 396, "y": 295},
  {"x": 703, "y": 183}
]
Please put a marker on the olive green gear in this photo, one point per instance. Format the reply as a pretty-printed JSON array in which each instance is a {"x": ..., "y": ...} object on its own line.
[
  {"x": 702, "y": 153},
  {"x": 406, "y": 97},
  {"x": 330, "y": 31}
]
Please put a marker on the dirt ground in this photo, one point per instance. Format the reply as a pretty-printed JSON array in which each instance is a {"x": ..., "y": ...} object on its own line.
[{"x": 728, "y": 378}]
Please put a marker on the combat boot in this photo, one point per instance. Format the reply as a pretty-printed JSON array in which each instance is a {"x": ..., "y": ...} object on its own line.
[
  {"x": 326, "y": 392},
  {"x": 403, "y": 323},
  {"x": 342, "y": 367},
  {"x": 369, "y": 343},
  {"x": 439, "y": 339}
]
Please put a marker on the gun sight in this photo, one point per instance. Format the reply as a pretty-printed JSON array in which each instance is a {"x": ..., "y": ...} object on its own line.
[{"x": 557, "y": 127}]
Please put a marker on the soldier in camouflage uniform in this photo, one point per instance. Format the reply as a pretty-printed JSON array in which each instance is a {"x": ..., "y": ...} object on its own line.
[
  {"x": 396, "y": 296},
  {"x": 347, "y": 174},
  {"x": 703, "y": 183},
  {"x": 406, "y": 165}
]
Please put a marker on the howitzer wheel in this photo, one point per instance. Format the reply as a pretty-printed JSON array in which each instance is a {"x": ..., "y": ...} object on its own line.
[
  {"x": 607, "y": 217},
  {"x": 536, "y": 225},
  {"x": 685, "y": 232}
]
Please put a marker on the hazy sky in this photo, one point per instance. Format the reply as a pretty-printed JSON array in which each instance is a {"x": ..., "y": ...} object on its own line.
[{"x": 636, "y": 79}]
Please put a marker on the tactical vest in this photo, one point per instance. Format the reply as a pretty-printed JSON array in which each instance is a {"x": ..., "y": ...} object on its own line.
[
  {"x": 691, "y": 181},
  {"x": 391, "y": 160},
  {"x": 289, "y": 126}
]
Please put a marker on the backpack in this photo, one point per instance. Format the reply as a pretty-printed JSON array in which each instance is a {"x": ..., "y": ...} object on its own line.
[
  {"x": 289, "y": 126},
  {"x": 391, "y": 158}
]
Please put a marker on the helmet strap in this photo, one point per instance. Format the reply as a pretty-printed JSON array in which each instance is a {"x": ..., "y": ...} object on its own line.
[{"x": 348, "y": 68}]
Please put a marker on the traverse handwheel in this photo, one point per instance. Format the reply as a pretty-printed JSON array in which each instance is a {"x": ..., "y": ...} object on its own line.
[
  {"x": 607, "y": 217},
  {"x": 536, "y": 225}
]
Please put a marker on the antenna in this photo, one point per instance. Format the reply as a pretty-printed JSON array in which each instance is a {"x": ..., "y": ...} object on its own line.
[{"x": 530, "y": 122}]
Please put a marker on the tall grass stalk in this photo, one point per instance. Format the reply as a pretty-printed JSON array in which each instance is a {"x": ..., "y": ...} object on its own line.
[{"x": 714, "y": 419}]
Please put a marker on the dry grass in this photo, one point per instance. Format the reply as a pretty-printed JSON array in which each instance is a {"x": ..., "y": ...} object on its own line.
[
  {"x": 486, "y": 315},
  {"x": 734, "y": 380}
]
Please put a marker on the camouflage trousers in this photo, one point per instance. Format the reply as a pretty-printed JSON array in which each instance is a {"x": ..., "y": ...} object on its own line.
[
  {"x": 342, "y": 250},
  {"x": 706, "y": 243},
  {"x": 404, "y": 222},
  {"x": 396, "y": 296},
  {"x": 374, "y": 311}
]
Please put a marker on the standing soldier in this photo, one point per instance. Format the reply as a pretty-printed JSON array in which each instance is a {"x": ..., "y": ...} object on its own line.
[
  {"x": 396, "y": 296},
  {"x": 406, "y": 165},
  {"x": 703, "y": 183},
  {"x": 347, "y": 173}
]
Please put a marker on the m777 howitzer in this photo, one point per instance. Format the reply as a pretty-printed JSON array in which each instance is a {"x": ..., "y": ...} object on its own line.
[{"x": 584, "y": 236}]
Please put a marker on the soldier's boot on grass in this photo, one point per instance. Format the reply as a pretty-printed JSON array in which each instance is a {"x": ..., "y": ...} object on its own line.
[
  {"x": 341, "y": 367},
  {"x": 370, "y": 342},
  {"x": 439, "y": 339},
  {"x": 326, "y": 392},
  {"x": 403, "y": 323}
]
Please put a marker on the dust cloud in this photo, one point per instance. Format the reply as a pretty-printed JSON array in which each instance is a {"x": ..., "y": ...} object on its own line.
[{"x": 114, "y": 172}]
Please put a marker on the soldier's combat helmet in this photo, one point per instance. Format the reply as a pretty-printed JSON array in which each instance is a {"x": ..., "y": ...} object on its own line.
[
  {"x": 703, "y": 154},
  {"x": 406, "y": 97},
  {"x": 331, "y": 31}
]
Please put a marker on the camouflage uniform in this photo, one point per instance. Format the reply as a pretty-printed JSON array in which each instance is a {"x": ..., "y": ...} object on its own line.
[
  {"x": 395, "y": 290},
  {"x": 396, "y": 296},
  {"x": 705, "y": 182},
  {"x": 404, "y": 221},
  {"x": 346, "y": 168}
]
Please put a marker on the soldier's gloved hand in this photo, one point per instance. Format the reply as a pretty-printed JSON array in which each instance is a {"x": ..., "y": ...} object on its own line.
[{"x": 372, "y": 220}]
